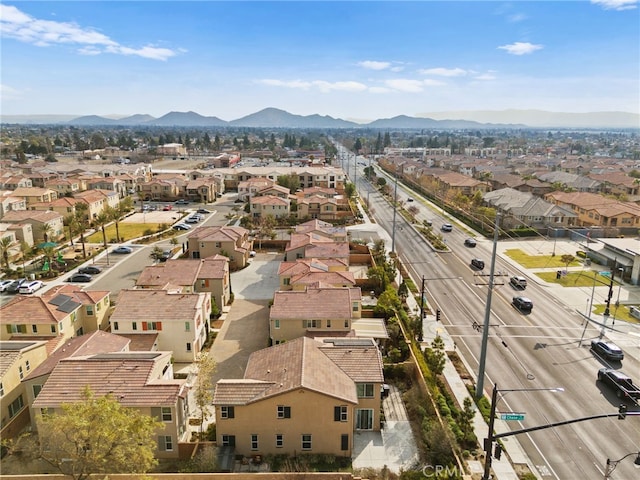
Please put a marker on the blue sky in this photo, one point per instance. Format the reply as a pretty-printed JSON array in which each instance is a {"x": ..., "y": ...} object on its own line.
[{"x": 352, "y": 60}]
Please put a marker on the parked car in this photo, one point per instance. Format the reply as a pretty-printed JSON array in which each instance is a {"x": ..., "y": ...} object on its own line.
[
  {"x": 31, "y": 287},
  {"x": 252, "y": 253},
  {"x": 608, "y": 350},
  {"x": 522, "y": 303},
  {"x": 80, "y": 278},
  {"x": 181, "y": 201},
  {"x": 167, "y": 208},
  {"x": 203, "y": 210},
  {"x": 122, "y": 250},
  {"x": 166, "y": 255},
  {"x": 4, "y": 284},
  {"x": 447, "y": 227},
  {"x": 90, "y": 269},
  {"x": 181, "y": 226},
  {"x": 477, "y": 263},
  {"x": 470, "y": 242},
  {"x": 517, "y": 282},
  {"x": 409, "y": 199},
  {"x": 191, "y": 220},
  {"x": 14, "y": 286}
]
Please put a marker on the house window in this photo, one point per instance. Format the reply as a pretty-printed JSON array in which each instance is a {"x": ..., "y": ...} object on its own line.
[
  {"x": 165, "y": 443},
  {"x": 340, "y": 413},
  {"x": 254, "y": 441},
  {"x": 73, "y": 319},
  {"x": 365, "y": 390},
  {"x": 306, "y": 441},
  {"x": 276, "y": 323},
  {"x": 165, "y": 413},
  {"x": 115, "y": 326},
  {"x": 284, "y": 412},
  {"x": 20, "y": 372},
  {"x": 329, "y": 323},
  {"x": 61, "y": 326},
  {"x": 134, "y": 325},
  {"x": 19, "y": 329},
  {"x": 53, "y": 329},
  {"x": 15, "y": 406},
  {"x": 27, "y": 365},
  {"x": 310, "y": 323},
  {"x": 346, "y": 323},
  {"x": 354, "y": 307},
  {"x": 36, "y": 390},
  {"x": 344, "y": 442},
  {"x": 187, "y": 326},
  {"x": 286, "y": 281},
  {"x": 188, "y": 346},
  {"x": 227, "y": 412},
  {"x": 151, "y": 325},
  {"x": 218, "y": 244},
  {"x": 89, "y": 310},
  {"x": 279, "y": 440},
  {"x": 228, "y": 440},
  {"x": 1, "y": 390},
  {"x": 34, "y": 329}
]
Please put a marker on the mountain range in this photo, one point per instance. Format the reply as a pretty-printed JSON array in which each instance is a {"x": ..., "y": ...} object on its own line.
[{"x": 276, "y": 118}]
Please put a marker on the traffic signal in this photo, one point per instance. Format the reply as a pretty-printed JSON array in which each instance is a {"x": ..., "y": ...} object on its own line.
[
  {"x": 498, "y": 451},
  {"x": 622, "y": 412},
  {"x": 437, "y": 315}
]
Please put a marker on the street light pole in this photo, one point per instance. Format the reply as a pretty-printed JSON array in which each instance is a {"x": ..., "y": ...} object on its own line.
[
  {"x": 612, "y": 464},
  {"x": 395, "y": 208}
]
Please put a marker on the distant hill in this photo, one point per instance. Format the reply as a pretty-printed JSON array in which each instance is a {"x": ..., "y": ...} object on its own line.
[{"x": 276, "y": 118}]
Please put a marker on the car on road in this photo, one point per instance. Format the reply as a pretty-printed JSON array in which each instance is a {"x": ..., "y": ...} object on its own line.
[
  {"x": 181, "y": 201},
  {"x": 90, "y": 269},
  {"x": 470, "y": 242},
  {"x": 31, "y": 287},
  {"x": 80, "y": 278},
  {"x": 477, "y": 263},
  {"x": 447, "y": 227},
  {"x": 181, "y": 226},
  {"x": 203, "y": 210},
  {"x": 518, "y": 282},
  {"x": 14, "y": 286},
  {"x": 523, "y": 304},
  {"x": 608, "y": 350},
  {"x": 409, "y": 199},
  {"x": 122, "y": 250},
  {"x": 4, "y": 284},
  {"x": 166, "y": 255}
]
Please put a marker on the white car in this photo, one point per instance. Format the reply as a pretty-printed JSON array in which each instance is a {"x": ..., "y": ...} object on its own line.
[
  {"x": 4, "y": 284},
  {"x": 31, "y": 287}
]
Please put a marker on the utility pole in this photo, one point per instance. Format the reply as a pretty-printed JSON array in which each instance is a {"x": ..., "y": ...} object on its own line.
[
  {"x": 421, "y": 322},
  {"x": 395, "y": 208},
  {"x": 487, "y": 313}
]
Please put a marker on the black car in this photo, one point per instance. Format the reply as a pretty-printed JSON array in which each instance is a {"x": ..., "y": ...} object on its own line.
[
  {"x": 80, "y": 278},
  {"x": 477, "y": 263},
  {"x": 608, "y": 350},
  {"x": 14, "y": 286},
  {"x": 203, "y": 210},
  {"x": 523, "y": 304},
  {"x": 470, "y": 242},
  {"x": 90, "y": 269}
]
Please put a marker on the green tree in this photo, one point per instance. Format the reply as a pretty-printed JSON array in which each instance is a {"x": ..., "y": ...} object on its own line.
[
  {"x": 435, "y": 356},
  {"x": 101, "y": 221},
  {"x": 69, "y": 221},
  {"x": 357, "y": 146},
  {"x": 203, "y": 389},
  {"x": 381, "y": 182},
  {"x": 291, "y": 181},
  {"x": 82, "y": 221},
  {"x": 97, "y": 435},
  {"x": 349, "y": 189},
  {"x": 567, "y": 259},
  {"x": 5, "y": 245}
]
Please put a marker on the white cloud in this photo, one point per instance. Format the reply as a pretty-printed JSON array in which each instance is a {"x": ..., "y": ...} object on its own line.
[
  {"x": 321, "y": 85},
  {"x": 443, "y": 72},
  {"x": 520, "y": 48},
  {"x": 272, "y": 82},
  {"x": 45, "y": 33},
  {"x": 432, "y": 83},
  {"x": 516, "y": 17},
  {"x": 374, "y": 65},
  {"x": 616, "y": 4},
  {"x": 379, "y": 90},
  {"x": 485, "y": 77}
]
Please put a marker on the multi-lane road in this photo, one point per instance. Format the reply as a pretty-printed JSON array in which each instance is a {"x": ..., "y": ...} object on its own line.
[{"x": 538, "y": 350}]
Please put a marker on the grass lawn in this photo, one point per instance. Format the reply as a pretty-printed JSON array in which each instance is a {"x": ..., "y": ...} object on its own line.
[
  {"x": 538, "y": 261},
  {"x": 622, "y": 313},
  {"x": 127, "y": 231},
  {"x": 577, "y": 279}
]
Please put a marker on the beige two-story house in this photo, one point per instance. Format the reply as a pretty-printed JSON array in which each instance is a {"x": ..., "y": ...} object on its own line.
[{"x": 231, "y": 242}]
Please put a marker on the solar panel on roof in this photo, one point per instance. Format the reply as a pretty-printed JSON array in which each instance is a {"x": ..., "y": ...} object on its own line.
[
  {"x": 69, "y": 306},
  {"x": 59, "y": 299}
]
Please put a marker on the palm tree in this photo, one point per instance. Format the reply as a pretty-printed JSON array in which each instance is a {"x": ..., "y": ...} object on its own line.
[
  {"x": 82, "y": 222},
  {"x": 5, "y": 245},
  {"x": 46, "y": 231},
  {"x": 100, "y": 222},
  {"x": 25, "y": 249},
  {"x": 69, "y": 221}
]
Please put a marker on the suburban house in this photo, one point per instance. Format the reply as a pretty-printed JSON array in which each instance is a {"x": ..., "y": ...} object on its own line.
[
  {"x": 88, "y": 344},
  {"x": 263, "y": 206},
  {"x": 209, "y": 274},
  {"x": 201, "y": 190},
  {"x": 302, "y": 396},
  {"x": 315, "y": 245},
  {"x": 46, "y": 226},
  {"x": 231, "y": 242},
  {"x": 60, "y": 313},
  {"x": 17, "y": 360},
  {"x": 318, "y": 206},
  {"x": 140, "y": 380},
  {"x": 326, "y": 229},
  {"x": 98, "y": 201},
  {"x": 35, "y": 194},
  {"x": 178, "y": 321},
  {"x": 302, "y": 273},
  {"x": 316, "y": 310},
  {"x": 65, "y": 186},
  {"x": 594, "y": 210},
  {"x": 249, "y": 188},
  {"x": 108, "y": 184},
  {"x": 64, "y": 206},
  {"x": 9, "y": 203},
  {"x": 160, "y": 189},
  {"x": 519, "y": 208}
]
